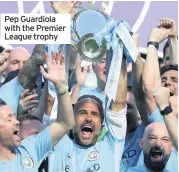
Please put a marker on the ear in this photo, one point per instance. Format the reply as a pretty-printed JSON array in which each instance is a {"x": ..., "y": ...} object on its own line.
[{"x": 141, "y": 143}]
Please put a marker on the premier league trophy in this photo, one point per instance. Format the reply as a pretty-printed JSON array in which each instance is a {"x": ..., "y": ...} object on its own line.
[
  {"x": 86, "y": 23},
  {"x": 94, "y": 35}
]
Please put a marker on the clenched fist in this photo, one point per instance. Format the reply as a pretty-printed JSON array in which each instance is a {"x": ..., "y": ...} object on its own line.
[
  {"x": 169, "y": 26},
  {"x": 162, "y": 95}
]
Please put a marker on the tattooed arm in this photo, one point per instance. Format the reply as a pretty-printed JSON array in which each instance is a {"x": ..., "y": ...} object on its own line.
[{"x": 28, "y": 74}]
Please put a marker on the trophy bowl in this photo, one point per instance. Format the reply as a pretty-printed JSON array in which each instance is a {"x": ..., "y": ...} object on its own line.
[
  {"x": 90, "y": 50},
  {"x": 86, "y": 23}
]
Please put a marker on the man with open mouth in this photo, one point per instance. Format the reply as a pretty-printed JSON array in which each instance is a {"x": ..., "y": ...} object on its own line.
[
  {"x": 27, "y": 155},
  {"x": 84, "y": 153},
  {"x": 157, "y": 148}
]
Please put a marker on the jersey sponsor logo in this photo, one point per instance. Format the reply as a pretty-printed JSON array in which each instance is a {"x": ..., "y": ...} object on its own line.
[
  {"x": 67, "y": 168},
  {"x": 93, "y": 168},
  {"x": 127, "y": 155},
  {"x": 27, "y": 163}
]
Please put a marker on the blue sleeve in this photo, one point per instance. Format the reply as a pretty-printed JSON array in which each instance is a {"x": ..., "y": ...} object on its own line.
[
  {"x": 10, "y": 93},
  {"x": 39, "y": 146},
  {"x": 156, "y": 116}
]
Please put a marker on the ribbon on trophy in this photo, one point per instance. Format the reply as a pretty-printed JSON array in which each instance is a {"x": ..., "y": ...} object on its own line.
[
  {"x": 118, "y": 38},
  {"x": 119, "y": 42}
]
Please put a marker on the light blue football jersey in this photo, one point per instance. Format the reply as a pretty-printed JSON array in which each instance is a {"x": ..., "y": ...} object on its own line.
[
  {"x": 30, "y": 154},
  {"x": 104, "y": 156}
]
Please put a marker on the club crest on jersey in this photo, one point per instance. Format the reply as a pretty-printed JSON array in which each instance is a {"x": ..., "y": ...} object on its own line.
[
  {"x": 93, "y": 156},
  {"x": 27, "y": 163}
]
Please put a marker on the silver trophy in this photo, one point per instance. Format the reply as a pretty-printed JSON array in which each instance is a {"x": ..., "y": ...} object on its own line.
[{"x": 87, "y": 22}]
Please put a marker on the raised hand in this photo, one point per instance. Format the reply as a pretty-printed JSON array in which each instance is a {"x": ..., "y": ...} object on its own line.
[
  {"x": 169, "y": 26},
  {"x": 27, "y": 102},
  {"x": 56, "y": 69},
  {"x": 4, "y": 60},
  {"x": 80, "y": 75},
  {"x": 158, "y": 35},
  {"x": 62, "y": 7},
  {"x": 162, "y": 95}
]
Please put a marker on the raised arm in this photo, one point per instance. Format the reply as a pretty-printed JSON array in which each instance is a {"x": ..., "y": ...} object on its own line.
[
  {"x": 170, "y": 28},
  {"x": 163, "y": 99},
  {"x": 65, "y": 119},
  {"x": 43, "y": 103},
  {"x": 120, "y": 102},
  {"x": 80, "y": 77},
  {"x": 137, "y": 69},
  {"x": 28, "y": 74},
  {"x": 151, "y": 74}
]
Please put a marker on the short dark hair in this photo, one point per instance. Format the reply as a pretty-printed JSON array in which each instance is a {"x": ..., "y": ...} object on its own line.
[
  {"x": 27, "y": 117},
  {"x": 100, "y": 104},
  {"x": 167, "y": 68},
  {"x": 2, "y": 102}
]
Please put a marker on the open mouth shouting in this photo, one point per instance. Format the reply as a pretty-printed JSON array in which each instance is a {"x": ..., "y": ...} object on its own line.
[
  {"x": 87, "y": 131},
  {"x": 104, "y": 72},
  {"x": 171, "y": 93},
  {"x": 16, "y": 135},
  {"x": 156, "y": 155}
]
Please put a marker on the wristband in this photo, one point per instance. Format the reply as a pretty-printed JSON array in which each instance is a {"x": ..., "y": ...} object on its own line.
[
  {"x": 166, "y": 110},
  {"x": 156, "y": 44},
  {"x": 63, "y": 90}
]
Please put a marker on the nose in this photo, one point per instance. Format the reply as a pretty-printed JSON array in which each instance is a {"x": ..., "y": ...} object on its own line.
[
  {"x": 158, "y": 143},
  {"x": 89, "y": 118},
  {"x": 17, "y": 122},
  {"x": 168, "y": 81}
]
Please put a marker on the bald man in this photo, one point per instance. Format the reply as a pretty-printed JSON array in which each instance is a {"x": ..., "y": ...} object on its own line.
[
  {"x": 157, "y": 148},
  {"x": 17, "y": 57}
]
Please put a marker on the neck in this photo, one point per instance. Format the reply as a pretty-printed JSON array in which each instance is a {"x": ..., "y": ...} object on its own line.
[
  {"x": 157, "y": 171},
  {"x": 6, "y": 154},
  {"x": 153, "y": 170},
  {"x": 101, "y": 87}
]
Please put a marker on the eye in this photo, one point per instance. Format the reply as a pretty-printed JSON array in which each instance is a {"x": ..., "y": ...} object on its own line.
[
  {"x": 82, "y": 113},
  {"x": 14, "y": 62},
  {"x": 163, "y": 79},
  {"x": 9, "y": 119},
  {"x": 35, "y": 133},
  {"x": 95, "y": 114},
  {"x": 165, "y": 139},
  {"x": 152, "y": 138},
  {"x": 174, "y": 79}
]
